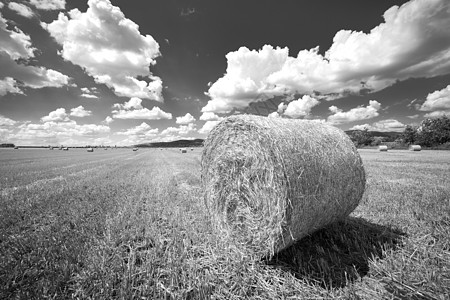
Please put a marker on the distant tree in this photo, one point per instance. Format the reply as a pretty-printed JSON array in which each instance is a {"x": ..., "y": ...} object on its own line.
[
  {"x": 433, "y": 132},
  {"x": 409, "y": 135},
  {"x": 378, "y": 140},
  {"x": 361, "y": 137},
  {"x": 7, "y": 145}
]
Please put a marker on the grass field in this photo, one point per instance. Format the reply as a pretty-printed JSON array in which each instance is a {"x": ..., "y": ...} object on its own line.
[{"x": 119, "y": 224}]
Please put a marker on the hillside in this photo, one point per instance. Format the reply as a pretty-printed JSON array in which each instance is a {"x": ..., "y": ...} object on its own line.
[
  {"x": 390, "y": 136},
  {"x": 174, "y": 144}
]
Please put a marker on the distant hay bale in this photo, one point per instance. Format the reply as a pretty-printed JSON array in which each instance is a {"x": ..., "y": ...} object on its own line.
[
  {"x": 192, "y": 149},
  {"x": 383, "y": 148},
  {"x": 135, "y": 149},
  {"x": 90, "y": 150},
  {"x": 183, "y": 150},
  {"x": 415, "y": 148},
  {"x": 269, "y": 182}
]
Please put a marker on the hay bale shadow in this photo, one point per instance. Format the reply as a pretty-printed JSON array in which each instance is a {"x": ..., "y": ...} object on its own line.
[{"x": 339, "y": 253}]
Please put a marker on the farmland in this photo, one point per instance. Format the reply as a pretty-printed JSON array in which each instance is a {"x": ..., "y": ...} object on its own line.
[{"x": 123, "y": 224}]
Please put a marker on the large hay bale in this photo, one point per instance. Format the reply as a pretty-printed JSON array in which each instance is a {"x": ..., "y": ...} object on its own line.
[
  {"x": 383, "y": 148},
  {"x": 415, "y": 148},
  {"x": 270, "y": 182}
]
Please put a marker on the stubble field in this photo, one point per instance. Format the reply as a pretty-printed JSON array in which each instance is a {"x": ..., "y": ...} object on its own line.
[{"x": 119, "y": 224}]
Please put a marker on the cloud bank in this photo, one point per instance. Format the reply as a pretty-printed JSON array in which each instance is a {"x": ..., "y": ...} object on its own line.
[
  {"x": 110, "y": 48},
  {"x": 413, "y": 41}
]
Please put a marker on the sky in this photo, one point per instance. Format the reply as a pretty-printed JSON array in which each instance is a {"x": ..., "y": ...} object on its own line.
[{"x": 111, "y": 72}]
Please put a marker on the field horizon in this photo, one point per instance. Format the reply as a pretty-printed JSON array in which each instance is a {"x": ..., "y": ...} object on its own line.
[{"x": 128, "y": 224}]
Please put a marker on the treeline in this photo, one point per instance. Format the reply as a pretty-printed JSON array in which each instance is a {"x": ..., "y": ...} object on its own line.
[
  {"x": 174, "y": 144},
  {"x": 431, "y": 132},
  {"x": 7, "y": 145}
]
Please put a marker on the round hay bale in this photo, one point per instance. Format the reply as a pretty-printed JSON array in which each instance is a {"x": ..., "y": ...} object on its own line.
[
  {"x": 415, "y": 148},
  {"x": 269, "y": 182},
  {"x": 90, "y": 150},
  {"x": 183, "y": 150},
  {"x": 383, "y": 148}
]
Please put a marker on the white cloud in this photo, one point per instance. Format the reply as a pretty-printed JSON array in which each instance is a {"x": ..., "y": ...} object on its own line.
[
  {"x": 57, "y": 115},
  {"x": 142, "y": 130},
  {"x": 133, "y": 109},
  {"x": 132, "y": 103},
  {"x": 438, "y": 100},
  {"x": 89, "y": 93},
  {"x": 89, "y": 96},
  {"x": 154, "y": 114},
  {"x": 9, "y": 85},
  {"x": 49, "y": 4},
  {"x": 14, "y": 42},
  {"x": 383, "y": 126},
  {"x": 301, "y": 107},
  {"x": 58, "y": 130},
  {"x": 80, "y": 112},
  {"x": 180, "y": 130},
  {"x": 413, "y": 41},
  {"x": 355, "y": 114},
  {"x": 210, "y": 116},
  {"x": 16, "y": 45},
  {"x": 207, "y": 127},
  {"x": 108, "y": 120},
  {"x": 118, "y": 57},
  {"x": 361, "y": 127},
  {"x": 186, "y": 119},
  {"x": 21, "y": 9},
  {"x": 274, "y": 115},
  {"x": 437, "y": 113},
  {"x": 4, "y": 121}
]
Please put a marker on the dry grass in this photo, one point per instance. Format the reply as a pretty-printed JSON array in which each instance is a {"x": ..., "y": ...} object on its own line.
[{"x": 133, "y": 226}]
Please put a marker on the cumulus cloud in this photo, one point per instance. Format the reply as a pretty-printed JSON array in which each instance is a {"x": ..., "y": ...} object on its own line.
[
  {"x": 142, "y": 133},
  {"x": 274, "y": 115},
  {"x": 15, "y": 43},
  {"x": 21, "y": 9},
  {"x": 89, "y": 93},
  {"x": 186, "y": 119},
  {"x": 9, "y": 85},
  {"x": 80, "y": 112},
  {"x": 57, "y": 132},
  {"x": 15, "y": 52},
  {"x": 355, "y": 114},
  {"x": 4, "y": 121},
  {"x": 133, "y": 109},
  {"x": 180, "y": 130},
  {"x": 108, "y": 120},
  {"x": 142, "y": 130},
  {"x": 207, "y": 127},
  {"x": 438, "y": 100},
  {"x": 49, "y": 4},
  {"x": 110, "y": 48},
  {"x": 57, "y": 115},
  {"x": 210, "y": 116},
  {"x": 301, "y": 107},
  {"x": 383, "y": 126},
  {"x": 413, "y": 41},
  {"x": 437, "y": 113}
]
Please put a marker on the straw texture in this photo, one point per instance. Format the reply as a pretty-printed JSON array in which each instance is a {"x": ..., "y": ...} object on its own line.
[{"x": 269, "y": 182}]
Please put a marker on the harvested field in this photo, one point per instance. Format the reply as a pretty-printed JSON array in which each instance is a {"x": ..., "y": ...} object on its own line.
[{"x": 122, "y": 224}]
